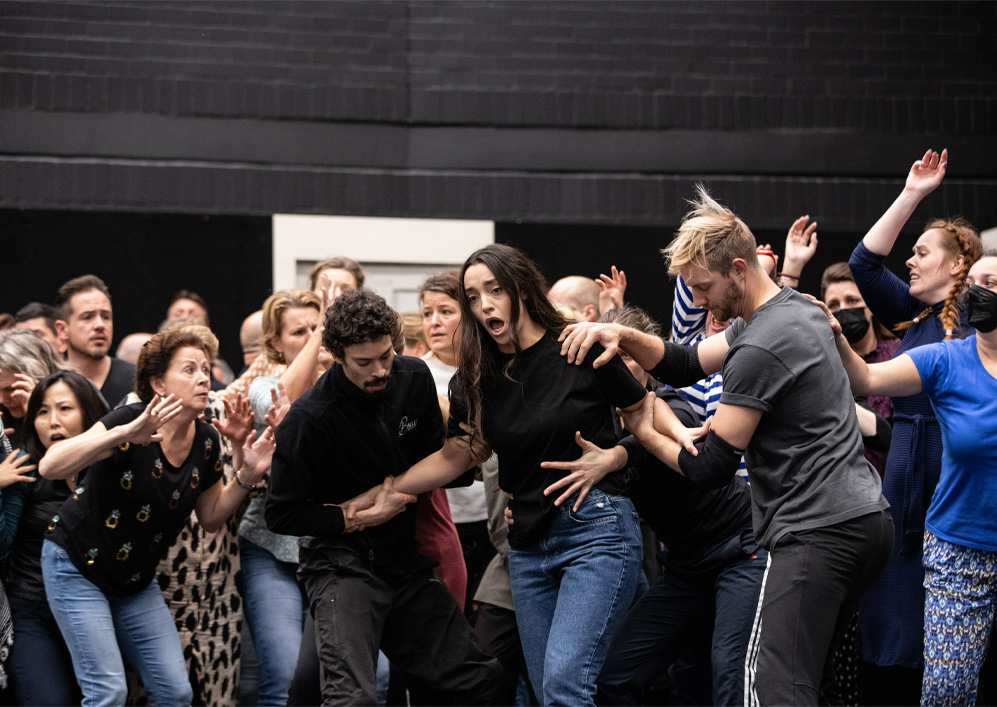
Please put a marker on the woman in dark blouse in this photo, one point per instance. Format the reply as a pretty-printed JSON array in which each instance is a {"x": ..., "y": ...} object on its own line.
[
  {"x": 61, "y": 406},
  {"x": 150, "y": 464}
]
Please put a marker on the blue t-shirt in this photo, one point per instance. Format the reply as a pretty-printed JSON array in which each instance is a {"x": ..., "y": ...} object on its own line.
[{"x": 964, "y": 397}]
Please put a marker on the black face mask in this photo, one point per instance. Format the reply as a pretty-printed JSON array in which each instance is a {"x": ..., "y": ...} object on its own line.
[
  {"x": 981, "y": 304},
  {"x": 853, "y": 323}
]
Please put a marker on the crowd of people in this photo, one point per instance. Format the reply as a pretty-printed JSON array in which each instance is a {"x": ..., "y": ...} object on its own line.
[{"x": 520, "y": 494}]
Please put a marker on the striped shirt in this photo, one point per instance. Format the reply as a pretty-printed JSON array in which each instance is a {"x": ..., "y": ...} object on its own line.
[{"x": 688, "y": 328}]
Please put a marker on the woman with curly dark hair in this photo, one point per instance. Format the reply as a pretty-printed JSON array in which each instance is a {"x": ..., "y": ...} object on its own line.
[{"x": 147, "y": 466}]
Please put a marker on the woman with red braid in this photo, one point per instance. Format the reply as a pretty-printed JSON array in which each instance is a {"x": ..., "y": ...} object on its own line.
[{"x": 891, "y": 614}]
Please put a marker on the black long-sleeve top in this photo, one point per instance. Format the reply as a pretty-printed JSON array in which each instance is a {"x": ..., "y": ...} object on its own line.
[{"x": 338, "y": 441}]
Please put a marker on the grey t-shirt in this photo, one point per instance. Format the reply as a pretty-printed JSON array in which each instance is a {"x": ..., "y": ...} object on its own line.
[{"x": 805, "y": 458}]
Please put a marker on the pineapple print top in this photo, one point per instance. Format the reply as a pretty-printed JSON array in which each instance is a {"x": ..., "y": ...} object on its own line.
[{"x": 127, "y": 509}]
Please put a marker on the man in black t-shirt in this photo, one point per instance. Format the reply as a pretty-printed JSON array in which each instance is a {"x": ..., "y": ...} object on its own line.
[
  {"x": 369, "y": 418},
  {"x": 817, "y": 504},
  {"x": 86, "y": 326}
]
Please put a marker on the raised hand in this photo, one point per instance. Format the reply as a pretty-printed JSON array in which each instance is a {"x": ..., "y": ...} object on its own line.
[
  {"x": 16, "y": 468},
  {"x": 145, "y": 428},
  {"x": 258, "y": 455},
  {"x": 277, "y": 411},
  {"x": 21, "y": 389},
  {"x": 927, "y": 173},
  {"x": 611, "y": 289},
  {"x": 586, "y": 471},
  {"x": 238, "y": 420},
  {"x": 801, "y": 244},
  {"x": 767, "y": 258}
]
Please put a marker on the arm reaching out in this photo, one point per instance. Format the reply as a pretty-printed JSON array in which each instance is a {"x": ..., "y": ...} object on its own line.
[
  {"x": 897, "y": 377},
  {"x": 77, "y": 453}
]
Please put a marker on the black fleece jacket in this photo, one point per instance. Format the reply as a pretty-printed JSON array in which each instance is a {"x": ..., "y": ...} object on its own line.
[{"x": 338, "y": 441}]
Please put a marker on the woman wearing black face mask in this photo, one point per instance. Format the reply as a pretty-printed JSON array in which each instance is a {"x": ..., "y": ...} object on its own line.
[
  {"x": 867, "y": 337},
  {"x": 960, "y": 542}
]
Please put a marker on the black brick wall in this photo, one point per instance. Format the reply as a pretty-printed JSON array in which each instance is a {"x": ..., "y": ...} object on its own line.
[
  {"x": 602, "y": 112},
  {"x": 737, "y": 65}
]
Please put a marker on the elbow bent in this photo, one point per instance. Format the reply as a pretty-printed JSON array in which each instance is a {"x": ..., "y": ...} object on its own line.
[{"x": 715, "y": 465}]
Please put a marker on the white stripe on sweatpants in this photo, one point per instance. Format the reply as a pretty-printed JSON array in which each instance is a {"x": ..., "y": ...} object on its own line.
[{"x": 751, "y": 659}]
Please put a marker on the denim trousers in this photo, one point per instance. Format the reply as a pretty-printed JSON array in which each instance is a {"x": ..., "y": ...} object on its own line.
[
  {"x": 100, "y": 628},
  {"x": 38, "y": 641},
  {"x": 721, "y": 600},
  {"x": 273, "y": 609},
  {"x": 572, "y": 589}
]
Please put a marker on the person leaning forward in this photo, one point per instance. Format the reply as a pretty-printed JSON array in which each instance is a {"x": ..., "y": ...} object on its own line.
[{"x": 370, "y": 417}]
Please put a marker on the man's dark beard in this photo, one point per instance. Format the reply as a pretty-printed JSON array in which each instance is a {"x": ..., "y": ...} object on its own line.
[
  {"x": 726, "y": 309},
  {"x": 93, "y": 354},
  {"x": 376, "y": 381}
]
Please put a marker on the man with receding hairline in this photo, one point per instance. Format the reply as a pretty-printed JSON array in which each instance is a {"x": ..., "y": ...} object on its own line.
[{"x": 579, "y": 294}]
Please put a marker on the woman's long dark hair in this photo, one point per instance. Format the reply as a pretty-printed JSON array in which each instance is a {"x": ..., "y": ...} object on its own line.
[
  {"x": 92, "y": 407},
  {"x": 476, "y": 350}
]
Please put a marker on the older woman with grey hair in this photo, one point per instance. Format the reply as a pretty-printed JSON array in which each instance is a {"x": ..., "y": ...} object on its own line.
[{"x": 25, "y": 358}]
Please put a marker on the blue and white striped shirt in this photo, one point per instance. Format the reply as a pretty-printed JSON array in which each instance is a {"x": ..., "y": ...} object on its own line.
[{"x": 689, "y": 327}]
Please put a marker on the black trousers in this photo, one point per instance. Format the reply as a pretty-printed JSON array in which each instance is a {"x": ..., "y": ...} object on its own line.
[
  {"x": 414, "y": 620},
  {"x": 812, "y": 589}
]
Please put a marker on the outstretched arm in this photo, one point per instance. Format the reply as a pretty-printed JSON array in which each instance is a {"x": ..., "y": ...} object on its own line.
[
  {"x": 669, "y": 362},
  {"x": 79, "y": 452},
  {"x": 924, "y": 177},
  {"x": 896, "y": 377}
]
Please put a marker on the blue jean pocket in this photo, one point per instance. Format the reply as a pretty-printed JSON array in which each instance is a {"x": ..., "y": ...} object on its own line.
[{"x": 598, "y": 507}]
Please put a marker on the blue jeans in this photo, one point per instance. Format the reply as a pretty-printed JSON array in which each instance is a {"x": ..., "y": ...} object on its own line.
[
  {"x": 274, "y": 611},
  {"x": 718, "y": 598},
  {"x": 572, "y": 590},
  {"x": 99, "y": 628}
]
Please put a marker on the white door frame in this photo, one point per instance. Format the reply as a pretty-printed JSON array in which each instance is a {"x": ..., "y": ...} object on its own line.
[{"x": 372, "y": 240}]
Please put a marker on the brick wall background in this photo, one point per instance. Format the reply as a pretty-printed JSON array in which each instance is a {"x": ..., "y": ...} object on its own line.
[
  {"x": 601, "y": 111},
  {"x": 532, "y": 112}
]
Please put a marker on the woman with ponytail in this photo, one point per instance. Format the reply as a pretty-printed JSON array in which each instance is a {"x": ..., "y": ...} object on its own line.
[{"x": 926, "y": 311}]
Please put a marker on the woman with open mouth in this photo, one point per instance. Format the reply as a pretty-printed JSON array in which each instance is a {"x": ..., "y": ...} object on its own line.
[
  {"x": 927, "y": 310},
  {"x": 61, "y": 406},
  {"x": 575, "y": 538},
  {"x": 147, "y": 467}
]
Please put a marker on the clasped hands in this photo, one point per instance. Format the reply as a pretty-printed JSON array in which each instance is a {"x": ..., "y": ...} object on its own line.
[{"x": 375, "y": 506}]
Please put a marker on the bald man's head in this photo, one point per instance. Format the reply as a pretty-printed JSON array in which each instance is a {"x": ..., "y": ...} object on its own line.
[
  {"x": 580, "y": 294},
  {"x": 131, "y": 346},
  {"x": 251, "y": 336}
]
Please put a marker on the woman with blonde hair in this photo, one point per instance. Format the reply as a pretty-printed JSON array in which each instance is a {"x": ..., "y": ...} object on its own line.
[
  {"x": 274, "y": 608},
  {"x": 25, "y": 358},
  {"x": 927, "y": 311}
]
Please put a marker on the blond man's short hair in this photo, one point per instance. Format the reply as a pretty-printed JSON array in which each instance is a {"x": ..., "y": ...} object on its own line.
[{"x": 711, "y": 236}]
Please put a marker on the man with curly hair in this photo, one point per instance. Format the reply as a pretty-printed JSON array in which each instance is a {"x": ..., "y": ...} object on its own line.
[{"x": 369, "y": 418}]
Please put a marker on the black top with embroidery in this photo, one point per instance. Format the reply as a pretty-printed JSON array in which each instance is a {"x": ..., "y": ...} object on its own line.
[{"x": 129, "y": 508}]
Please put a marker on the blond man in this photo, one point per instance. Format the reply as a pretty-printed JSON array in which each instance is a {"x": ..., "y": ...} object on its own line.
[{"x": 817, "y": 504}]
